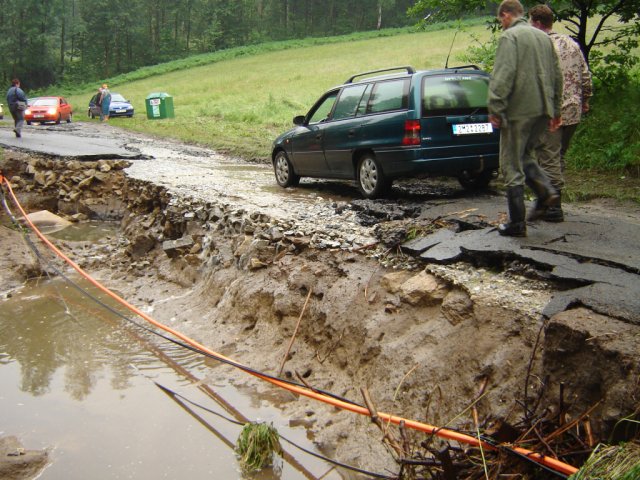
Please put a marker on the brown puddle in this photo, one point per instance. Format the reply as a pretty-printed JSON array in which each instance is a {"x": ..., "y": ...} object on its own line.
[{"x": 81, "y": 383}]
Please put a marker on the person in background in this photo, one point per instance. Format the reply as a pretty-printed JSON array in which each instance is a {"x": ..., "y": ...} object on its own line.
[
  {"x": 17, "y": 101},
  {"x": 105, "y": 101},
  {"x": 97, "y": 103},
  {"x": 577, "y": 89},
  {"x": 525, "y": 95}
]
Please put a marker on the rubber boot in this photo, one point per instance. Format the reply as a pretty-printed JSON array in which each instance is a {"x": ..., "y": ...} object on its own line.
[
  {"x": 554, "y": 212},
  {"x": 516, "y": 227},
  {"x": 546, "y": 195}
]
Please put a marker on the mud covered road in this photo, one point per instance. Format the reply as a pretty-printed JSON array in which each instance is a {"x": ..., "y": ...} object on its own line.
[
  {"x": 596, "y": 248},
  {"x": 416, "y": 296}
]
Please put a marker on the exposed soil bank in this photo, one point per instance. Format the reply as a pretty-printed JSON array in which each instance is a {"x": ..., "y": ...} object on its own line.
[{"x": 426, "y": 341}]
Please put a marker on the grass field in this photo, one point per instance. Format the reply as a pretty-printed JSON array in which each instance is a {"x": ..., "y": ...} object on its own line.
[
  {"x": 240, "y": 105},
  {"x": 237, "y": 101}
]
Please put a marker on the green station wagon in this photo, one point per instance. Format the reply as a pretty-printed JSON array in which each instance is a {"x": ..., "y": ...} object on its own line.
[{"x": 374, "y": 129}]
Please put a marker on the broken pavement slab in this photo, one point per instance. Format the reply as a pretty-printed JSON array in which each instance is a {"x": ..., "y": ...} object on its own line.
[{"x": 597, "y": 255}]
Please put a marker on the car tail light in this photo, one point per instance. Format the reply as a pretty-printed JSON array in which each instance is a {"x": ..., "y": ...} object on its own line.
[{"x": 411, "y": 132}]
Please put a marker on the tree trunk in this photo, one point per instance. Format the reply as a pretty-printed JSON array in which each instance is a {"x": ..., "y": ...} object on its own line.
[{"x": 62, "y": 37}]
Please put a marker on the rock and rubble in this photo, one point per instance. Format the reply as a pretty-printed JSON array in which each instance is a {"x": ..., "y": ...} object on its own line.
[
  {"x": 19, "y": 463},
  {"x": 421, "y": 337}
]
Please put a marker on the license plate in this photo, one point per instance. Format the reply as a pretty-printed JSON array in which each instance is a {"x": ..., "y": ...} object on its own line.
[
  {"x": 472, "y": 128},
  {"x": 38, "y": 116},
  {"x": 122, "y": 110}
]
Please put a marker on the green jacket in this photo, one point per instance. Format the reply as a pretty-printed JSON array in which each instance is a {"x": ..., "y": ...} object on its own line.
[{"x": 527, "y": 80}]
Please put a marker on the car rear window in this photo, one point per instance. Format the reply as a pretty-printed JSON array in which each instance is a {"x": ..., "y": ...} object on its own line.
[
  {"x": 388, "y": 96},
  {"x": 453, "y": 94}
]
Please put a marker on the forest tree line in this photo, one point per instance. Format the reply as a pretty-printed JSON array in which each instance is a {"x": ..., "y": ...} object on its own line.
[{"x": 47, "y": 42}]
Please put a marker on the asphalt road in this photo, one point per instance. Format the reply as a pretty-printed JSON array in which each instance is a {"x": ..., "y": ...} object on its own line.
[
  {"x": 63, "y": 141},
  {"x": 595, "y": 251}
]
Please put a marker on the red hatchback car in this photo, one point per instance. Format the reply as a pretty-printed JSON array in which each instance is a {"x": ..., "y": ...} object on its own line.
[{"x": 48, "y": 109}]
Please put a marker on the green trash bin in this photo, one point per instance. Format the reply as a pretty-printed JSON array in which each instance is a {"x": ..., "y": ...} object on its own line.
[{"x": 159, "y": 105}]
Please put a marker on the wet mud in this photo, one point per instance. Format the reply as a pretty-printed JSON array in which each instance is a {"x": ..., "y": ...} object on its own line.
[{"x": 423, "y": 336}]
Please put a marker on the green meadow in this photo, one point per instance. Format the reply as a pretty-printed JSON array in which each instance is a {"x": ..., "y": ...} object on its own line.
[
  {"x": 237, "y": 101},
  {"x": 239, "y": 105}
]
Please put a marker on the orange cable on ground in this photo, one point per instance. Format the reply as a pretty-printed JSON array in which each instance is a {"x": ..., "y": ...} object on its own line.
[{"x": 549, "y": 462}]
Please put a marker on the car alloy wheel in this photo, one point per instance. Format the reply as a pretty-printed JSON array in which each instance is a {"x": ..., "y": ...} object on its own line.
[
  {"x": 371, "y": 180},
  {"x": 283, "y": 170}
]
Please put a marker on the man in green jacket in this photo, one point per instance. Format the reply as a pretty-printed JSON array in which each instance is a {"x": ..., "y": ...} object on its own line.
[{"x": 525, "y": 97}]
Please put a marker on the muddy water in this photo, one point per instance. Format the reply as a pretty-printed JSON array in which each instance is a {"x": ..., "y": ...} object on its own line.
[{"x": 79, "y": 381}]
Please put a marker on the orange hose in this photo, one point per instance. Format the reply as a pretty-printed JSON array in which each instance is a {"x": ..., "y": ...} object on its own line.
[{"x": 550, "y": 462}]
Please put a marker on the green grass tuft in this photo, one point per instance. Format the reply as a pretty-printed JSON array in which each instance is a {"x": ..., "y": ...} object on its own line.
[
  {"x": 257, "y": 444},
  {"x": 621, "y": 462}
]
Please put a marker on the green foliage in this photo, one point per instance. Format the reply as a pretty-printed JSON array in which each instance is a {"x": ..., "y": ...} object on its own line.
[
  {"x": 596, "y": 23},
  {"x": 68, "y": 41},
  {"x": 614, "y": 68},
  {"x": 435, "y": 11},
  {"x": 482, "y": 53},
  {"x": 608, "y": 139},
  {"x": 257, "y": 444}
]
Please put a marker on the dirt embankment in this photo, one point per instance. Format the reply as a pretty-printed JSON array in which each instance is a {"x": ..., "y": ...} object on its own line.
[{"x": 426, "y": 344}]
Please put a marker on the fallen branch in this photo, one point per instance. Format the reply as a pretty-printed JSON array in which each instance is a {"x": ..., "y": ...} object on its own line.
[
  {"x": 295, "y": 332},
  {"x": 387, "y": 435}
]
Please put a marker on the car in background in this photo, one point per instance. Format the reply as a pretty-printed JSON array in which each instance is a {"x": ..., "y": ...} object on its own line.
[
  {"x": 392, "y": 123},
  {"x": 119, "y": 107},
  {"x": 48, "y": 109},
  {"x": 94, "y": 109}
]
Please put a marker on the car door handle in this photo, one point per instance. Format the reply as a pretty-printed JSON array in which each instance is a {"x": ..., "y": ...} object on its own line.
[
  {"x": 319, "y": 136},
  {"x": 351, "y": 133}
]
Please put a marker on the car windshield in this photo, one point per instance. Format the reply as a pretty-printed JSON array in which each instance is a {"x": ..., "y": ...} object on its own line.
[
  {"x": 323, "y": 109},
  {"x": 45, "y": 102},
  {"x": 116, "y": 97}
]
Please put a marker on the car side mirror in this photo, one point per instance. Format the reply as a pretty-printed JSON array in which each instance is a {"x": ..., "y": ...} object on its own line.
[{"x": 298, "y": 120}]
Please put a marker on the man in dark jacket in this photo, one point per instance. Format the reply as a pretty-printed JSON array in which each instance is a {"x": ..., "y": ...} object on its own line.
[
  {"x": 17, "y": 101},
  {"x": 525, "y": 96}
]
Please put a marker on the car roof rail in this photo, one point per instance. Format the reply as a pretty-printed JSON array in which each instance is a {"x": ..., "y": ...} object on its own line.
[
  {"x": 409, "y": 69},
  {"x": 474, "y": 67}
]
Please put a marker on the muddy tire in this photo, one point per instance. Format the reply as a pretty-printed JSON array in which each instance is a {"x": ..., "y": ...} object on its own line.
[
  {"x": 478, "y": 182},
  {"x": 59, "y": 119},
  {"x": 70, "y": 118},
  {"x": 283, "y": 169},
  {"x": 372, "y": 182}
]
